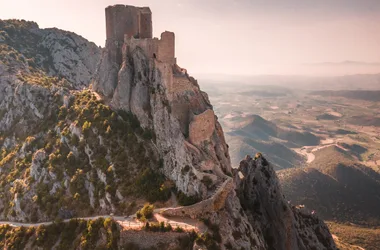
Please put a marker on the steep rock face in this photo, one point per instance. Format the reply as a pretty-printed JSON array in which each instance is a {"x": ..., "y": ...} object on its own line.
[
  {"x": 248, "y": 213},
  {"x": 57, "y": 52},
  {"x": 83, "y": 154},
  {"x": 167, "y": 103},
  {"x": 63, "y": 153},
  {"x": 280, "y": 225},
  {"x": 36, "y": 66}
]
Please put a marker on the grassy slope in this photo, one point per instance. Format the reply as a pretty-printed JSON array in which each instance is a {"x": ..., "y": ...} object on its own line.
[
  {"x": 368, "y": 238},
  {"x": 120, "y": 148},
  {"x": 336, "y": 188}
]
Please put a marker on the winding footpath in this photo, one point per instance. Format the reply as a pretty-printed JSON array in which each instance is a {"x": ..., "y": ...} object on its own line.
[
  {"x": 183, "y": 217},
  {"x": 127, "y": 223}
]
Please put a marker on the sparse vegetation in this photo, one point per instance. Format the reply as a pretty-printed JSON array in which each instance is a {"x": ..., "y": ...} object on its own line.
[
  {"x": 68, "y": 235},
  {"x": 75, "y": 159},
  {"x": 368, "y": 238},
  {"x": 145, "y": 213},
  {"x": 207, "y": 181},
  {"x": 158, "y": 227},
  {"x": 185, "y": 200}
]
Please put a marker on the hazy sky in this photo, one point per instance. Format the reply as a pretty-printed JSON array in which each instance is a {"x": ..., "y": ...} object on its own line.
[{"x": 233, "y": 36}]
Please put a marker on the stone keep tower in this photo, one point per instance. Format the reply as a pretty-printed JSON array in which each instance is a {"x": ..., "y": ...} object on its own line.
[
  {"x": 126, "y": 20},
  {"x": 129, "y": 27}
]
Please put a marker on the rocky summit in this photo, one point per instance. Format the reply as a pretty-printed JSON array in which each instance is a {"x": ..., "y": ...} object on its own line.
[{"x": 86, "y": 131}]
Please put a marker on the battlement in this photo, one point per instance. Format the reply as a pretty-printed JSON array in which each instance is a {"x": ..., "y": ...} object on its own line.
[{"x": 162, "y": 50}]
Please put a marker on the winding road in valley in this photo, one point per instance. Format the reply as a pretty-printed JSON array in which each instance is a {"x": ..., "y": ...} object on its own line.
[{"x": 308, "y": 150}]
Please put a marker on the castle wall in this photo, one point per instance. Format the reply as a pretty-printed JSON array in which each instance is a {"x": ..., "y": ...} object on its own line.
[
  {"x": 166, "y": 74},
  {"x": 120, "y": 20},
  {"x": 149, "y": 46},
  {"x": 162, "y": 50},
  {"x": 181, "y": 84},
  {"x": 146, "y": 30},
  {"x": 166, "y": 50}
]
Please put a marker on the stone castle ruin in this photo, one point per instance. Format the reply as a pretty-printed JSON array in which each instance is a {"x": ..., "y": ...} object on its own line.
[
  {"x": 132, "y": 26},
  {"x": 139, "y": 73}
]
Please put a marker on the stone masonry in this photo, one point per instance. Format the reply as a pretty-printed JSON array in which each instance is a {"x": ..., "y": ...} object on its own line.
[{"x": 132, "y": 26}]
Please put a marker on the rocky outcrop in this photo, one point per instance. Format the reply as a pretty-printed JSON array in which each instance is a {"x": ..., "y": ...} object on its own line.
[
  {"x": 72, "y": 56},
  {"x": 37, "y": 66},
  {"x": 57, "y": 52},
  {"x": 280, "y": 225},
  {"x": 39, "y": 70},
  {"x": 86, "y": 147},
  {"x": 248, "y": 210},
  {"x": 144, "y": 86}
]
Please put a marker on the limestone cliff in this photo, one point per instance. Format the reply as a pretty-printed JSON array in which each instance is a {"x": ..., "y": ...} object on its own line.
[
  {"x": 188, "y": 136},
  {"x": 144, "y": 127},
  {"x": 280, "y": 225},
  {"x": 248, "y": 212},
  {"x": 63, "y": 152},
  {"x": 33, "y": 60}
]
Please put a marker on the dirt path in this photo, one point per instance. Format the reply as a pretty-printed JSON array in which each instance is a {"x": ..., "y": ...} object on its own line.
[
  {"x": 126, "y": 222},
  {"x": 130, "y": 222}
]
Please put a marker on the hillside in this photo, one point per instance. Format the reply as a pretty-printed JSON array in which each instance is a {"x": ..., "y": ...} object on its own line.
[
  {"x": 335, "y": 187},
  {"x": 281, "y": 156},
  {"x": 353, "y": 236},
  {"x": 134, "y": 129},
  {"x": 255, "y": 134},
  {"x": 365, "y": 120},
  {"x": 259, "y": 128},
  {"x": 93, "y": 234},
  {"x": 367, "y": 95},
  {"x": 65, "y": 152}
]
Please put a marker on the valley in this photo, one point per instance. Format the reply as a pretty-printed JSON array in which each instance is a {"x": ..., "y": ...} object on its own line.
[
  {"x": 325, "y": 146},
  {"x": 267, "y": 117},
  {"x": 121, "y": 148}
]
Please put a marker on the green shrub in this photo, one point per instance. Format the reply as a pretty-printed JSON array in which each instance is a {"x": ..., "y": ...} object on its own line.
[
  {"x": 74, "y": 140},
  {"x": 146, "y": 212},
  {"x": 179, "y": 229},
  {"x": 86, "y": 128},
  {"x": 158, "y": 227},
  {"x": 185, "y": 200},
  {"x": 207, "y": 181},
  {"x": 151, "y": 185}
]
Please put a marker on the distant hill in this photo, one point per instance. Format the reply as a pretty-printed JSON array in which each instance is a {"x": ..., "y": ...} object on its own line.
[
  {"x": 345, "y": 63},
  {"x": 349, "y": 237},
  {"x": 267, "y": 91},
  {"x": 364, "y": 120},
  {"x": 259, "y": 128},
  {"x": 259, "y": 135},
  {"x": 368, "y": 95},
  {"x": 336, "y": 187},
  {"x": 277, "y": 153}
]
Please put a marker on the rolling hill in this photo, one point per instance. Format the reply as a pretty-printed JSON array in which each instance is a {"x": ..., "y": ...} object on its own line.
[
  {"x": 336, "y": 186},
  {"x": 256, "y": 134},
  {"x": 277, "y": 153},
  {"x": 367, "y": 95}
]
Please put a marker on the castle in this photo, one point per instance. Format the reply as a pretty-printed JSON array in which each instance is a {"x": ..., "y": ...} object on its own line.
[{"x": 132, "y": 26}]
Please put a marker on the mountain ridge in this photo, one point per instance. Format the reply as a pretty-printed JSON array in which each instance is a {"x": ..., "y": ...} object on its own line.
[{"x": 104, "y": 147}]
